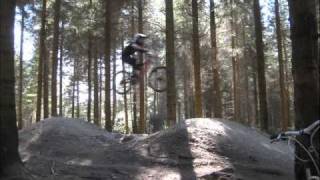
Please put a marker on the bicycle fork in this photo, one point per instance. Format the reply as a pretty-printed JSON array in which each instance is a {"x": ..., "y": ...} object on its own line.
[{"x": 309, "y": 176}]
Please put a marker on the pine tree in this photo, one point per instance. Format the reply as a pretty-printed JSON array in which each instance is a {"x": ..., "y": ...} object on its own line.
[
  {"x": 217, "y": 99},
  {"x": 196, "y": 59},
  {"x": 21, "y": 76},
  {"x": 170, "y": 60},
  {"x": 55, "y": 49},
  {"x": 9, "y": 134},
  {"x": 260, "y": 68},
  {"x": 41, "y": 59},
  {"x": 107, "y": 28},
  {"x": 305, "y": 68}
]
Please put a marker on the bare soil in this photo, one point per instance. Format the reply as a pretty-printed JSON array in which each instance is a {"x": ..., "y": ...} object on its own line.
[{"x": 205, "y": 149}]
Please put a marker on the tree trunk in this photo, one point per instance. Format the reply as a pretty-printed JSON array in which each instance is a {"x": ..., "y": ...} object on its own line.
[
  {"x": 125, "y": 99},
  {"x": 73, "y": 89},
  {"x": 125, "y": 108},
  {"x": 235, "y": 63},
  {"x": 114, "y": 93},
  {"x": 305, "y": 68},
  {"x": 142, "y": 121},
  {"x": 134, "y": 98},
  {"x": 185, "y": 93},
  {"x": 246, "y": 64},
  {"x": 124, "y": 95},
  {"x": 55, "y": 49},
  {"x": 107, "y": 108},
  {"x": 255, "y": 99},
  {"x": 46, "y": 84},
  {"x": 284, "y": 103},
  {"x": 41, "y": 59},
  {"x": 196, "y": 59},
  {"x": 287, "y": 79},
  {"x": 261, "y": 70},
  {"x": 96, "y": 86},
  {"x": 20, "y": 121},
  {"x": 89, "y": 76},
  {"x": 251, "y": 54},
  {"x": 134, "y": 110},
  {"x": 100, "y": 87},
  {"x": 61, "y": 70},
  {"x": 217, "y": 101},
  {"x": 78, "y": 96},
  {"x": 8, "y": 129},
  {"x": 170, "y": 61}
]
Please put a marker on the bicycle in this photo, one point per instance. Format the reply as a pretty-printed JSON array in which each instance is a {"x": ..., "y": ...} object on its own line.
[
  {"x": 311, "y": 163},
  {"x": 157, "y": 77}
]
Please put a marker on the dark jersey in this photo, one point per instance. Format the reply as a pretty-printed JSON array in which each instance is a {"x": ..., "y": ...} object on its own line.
[{"x": 129, "y": 50}]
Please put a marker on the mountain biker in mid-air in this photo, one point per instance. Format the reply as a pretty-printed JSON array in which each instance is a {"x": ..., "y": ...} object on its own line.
[{"x": 136, "y": 45}]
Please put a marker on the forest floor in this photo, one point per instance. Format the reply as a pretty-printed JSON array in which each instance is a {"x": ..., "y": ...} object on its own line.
[{"x": 205, "y": 149}]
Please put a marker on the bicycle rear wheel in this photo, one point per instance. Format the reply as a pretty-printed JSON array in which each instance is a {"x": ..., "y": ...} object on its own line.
[
  {"x": 123, "y": 84},
  {"x": 157, "y": 79}
]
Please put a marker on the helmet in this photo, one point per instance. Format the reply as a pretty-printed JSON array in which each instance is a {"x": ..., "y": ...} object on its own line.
[{"x": 139, "y": 38}]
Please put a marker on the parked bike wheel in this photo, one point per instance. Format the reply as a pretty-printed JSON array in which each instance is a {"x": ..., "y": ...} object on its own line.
[
  {"x": 157, "y": 79},
  {"x": 123, "y": 83}
]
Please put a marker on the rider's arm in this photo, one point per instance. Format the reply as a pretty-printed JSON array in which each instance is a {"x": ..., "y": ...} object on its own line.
[{"x": 139, "y": 48}]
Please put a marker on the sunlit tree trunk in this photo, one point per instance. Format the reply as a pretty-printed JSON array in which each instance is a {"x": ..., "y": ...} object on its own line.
[
  {"x": 107, "y": 108},
  {"x": 55, "y": 49},
  {"x": 125, "y": 99},
  {"x": 287, "y": 73},
  {"x": 114, "y": 93},
  {"x": 61, "y": 71},
  {"x": 89, "y": 76},
  {"x": 46, "y": 84},
  {"x": 283, "y": 95},
  {"x": 217, "y": 101},
  {"x": 142, "y": 121},
  {"x": 134, "y": 98},
  {"x": 100, "y": 87},
  {"x": 96, "y": 86},
  {"x": 251, "y": 54},
  {"x": 305, "y": 68},
  {"x": 185, "y": 94},
  {"x": 78, "y": 96},
  {"x": 196, "y": 59},
  {"x": 260, "y": 68},
  {"x": 235, "y": 63},
  {"x": 9, "y": 155},
  {"x": 73, "y": 90},
  {"x": 20, "y": 122},
  {"x": 42, "y": 56},
  {"x": 170, "y": 60},
  {"x": 248, "y": 115}
]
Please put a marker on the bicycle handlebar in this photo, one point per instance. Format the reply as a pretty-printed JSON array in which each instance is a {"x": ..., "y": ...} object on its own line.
[
  {"x": 284, "y": 135},
  {"x": 309, "y": 129}
]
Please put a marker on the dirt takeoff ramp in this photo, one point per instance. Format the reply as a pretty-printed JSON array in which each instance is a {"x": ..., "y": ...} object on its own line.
[{"x": 207, "y": 149}]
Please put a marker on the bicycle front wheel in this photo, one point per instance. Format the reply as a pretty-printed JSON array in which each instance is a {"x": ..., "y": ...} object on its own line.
[
  {"x": 157, "y": 79},
  {"x": 123, "y": 84}
]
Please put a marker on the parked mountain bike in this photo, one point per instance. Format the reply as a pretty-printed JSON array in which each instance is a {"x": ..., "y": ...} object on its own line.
[
  {"x": 310, "y": 157},
  {"x": 157, "y": 77}
]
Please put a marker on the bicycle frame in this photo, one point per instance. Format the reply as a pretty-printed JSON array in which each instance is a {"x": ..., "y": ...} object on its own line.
[
  {"x": 291, "y": 136},
  {"x": 147, "y": 64},
  {"x": 156, "y": 77}
]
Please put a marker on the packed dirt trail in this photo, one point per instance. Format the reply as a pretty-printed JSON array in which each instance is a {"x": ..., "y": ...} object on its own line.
[{"x": 208, "y": 149}]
